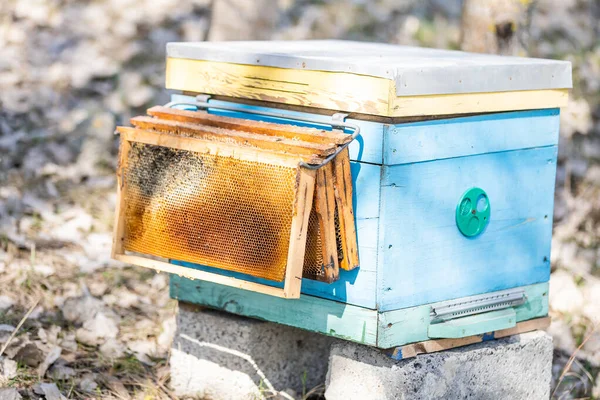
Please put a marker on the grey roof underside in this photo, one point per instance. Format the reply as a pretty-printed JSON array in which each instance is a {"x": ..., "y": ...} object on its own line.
[{"x": 416, "y": 71}]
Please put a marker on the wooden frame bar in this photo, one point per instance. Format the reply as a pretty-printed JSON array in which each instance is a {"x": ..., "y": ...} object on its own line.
[
  {"x": 242, "y": 138},
  {"x": 192, "y": 273},
  {"x": 325, "y": 209},
  {"x": 301, "y": 211},
  {"x": 263, "y": 128},
  {"x": 295, "y": 261},
  {"x": 119, "y": 226},
  {"x": 343, "y": 197},
  {"x": 215, "y": 148}
]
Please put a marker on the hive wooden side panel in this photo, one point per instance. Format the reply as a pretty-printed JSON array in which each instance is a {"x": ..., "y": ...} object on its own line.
[
  {"x": 467, "y": 103},
  {"x": 505, "y": 132},
  {"x": 334, "y": 91},
  {"x": 409, "y": 325},
  {"x": 423, "y": 256},
  {"x": 311, "y": 313},
  {"x": 343, "y": 91},
  {"x": 466, "y": 136}
]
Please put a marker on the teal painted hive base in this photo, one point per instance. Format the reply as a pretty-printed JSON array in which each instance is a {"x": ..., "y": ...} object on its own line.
[
  {"x": 367, "y": 326},
  {"x": 409, "y": 179}
]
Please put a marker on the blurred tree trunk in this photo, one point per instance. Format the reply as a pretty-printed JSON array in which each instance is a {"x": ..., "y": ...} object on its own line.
[
  {"x": 495, "y": 26},
  {"x": 244, "y": 19}
]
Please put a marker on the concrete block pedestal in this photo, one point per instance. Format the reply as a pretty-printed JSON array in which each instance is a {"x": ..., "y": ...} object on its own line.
[
  {"x": 217, "y": 355},
  {"x": 516, "y": 367}
]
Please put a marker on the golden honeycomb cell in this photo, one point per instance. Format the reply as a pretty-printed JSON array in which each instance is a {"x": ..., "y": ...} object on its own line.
[{"x": 210, "y": 210}]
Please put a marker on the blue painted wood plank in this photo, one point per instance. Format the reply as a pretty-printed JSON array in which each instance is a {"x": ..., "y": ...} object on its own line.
[
  {"x": 456, "y": 137},
  {"x": 311, "y": 313},
  {"x": 366, "y": 148},
  {"x": 423, "y": 256},
  {"x": 366, "y": 179},
  {"x": 409, "y": 325}
]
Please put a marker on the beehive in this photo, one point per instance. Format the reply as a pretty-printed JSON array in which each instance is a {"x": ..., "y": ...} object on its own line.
[{"x": 453, "y": 179}]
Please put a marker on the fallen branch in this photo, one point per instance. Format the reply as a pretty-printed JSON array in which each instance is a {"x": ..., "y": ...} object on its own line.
[{"x": 14, "y": 333}]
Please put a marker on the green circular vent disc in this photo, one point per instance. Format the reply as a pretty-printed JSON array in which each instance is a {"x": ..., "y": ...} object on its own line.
[{"x": 473, "y": 212}]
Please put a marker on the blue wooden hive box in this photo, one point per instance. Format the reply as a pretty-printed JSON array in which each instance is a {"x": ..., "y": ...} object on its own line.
[{"x": 453, "y": 176}]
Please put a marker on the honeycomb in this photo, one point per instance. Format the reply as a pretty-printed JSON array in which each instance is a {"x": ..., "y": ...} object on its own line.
[
  {"x": 210, "y": 210},
  {"x": 313, "y": 259},
  {"x": 225, "y": 212}
]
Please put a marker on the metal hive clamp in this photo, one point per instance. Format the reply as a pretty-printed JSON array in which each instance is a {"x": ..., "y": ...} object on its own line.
[{"x": 337, "y": 120}]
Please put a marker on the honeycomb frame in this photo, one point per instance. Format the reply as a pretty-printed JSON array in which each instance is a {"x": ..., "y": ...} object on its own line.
[
  {"x": 301, "y": 206},
  {"x": 329, "y": 211}
]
